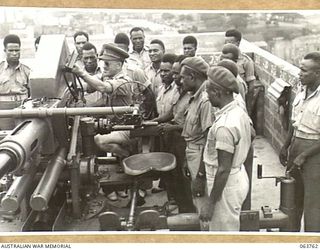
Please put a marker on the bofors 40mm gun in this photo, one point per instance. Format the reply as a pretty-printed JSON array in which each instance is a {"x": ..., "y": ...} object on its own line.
[
  {"x": 51, "y": 174},
  {"x": 40, "y": 159}
]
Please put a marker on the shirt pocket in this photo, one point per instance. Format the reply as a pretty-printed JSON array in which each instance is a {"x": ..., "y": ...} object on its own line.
[
  {"x": 194, "y": 120},
  {"x": 311, "y": 120},
  {"x": 4, "y": 79},
  {"x": 21, "y": 82}
]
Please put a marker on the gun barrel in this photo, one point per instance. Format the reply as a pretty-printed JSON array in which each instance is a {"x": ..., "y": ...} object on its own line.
[
  {"x": 42, "y": 194},
  {"x": 48, "y": 112},
  {"x": 17, "y": 191},
  {"x": 7, "y": 162},
  {"x": 22, "y": 143}
]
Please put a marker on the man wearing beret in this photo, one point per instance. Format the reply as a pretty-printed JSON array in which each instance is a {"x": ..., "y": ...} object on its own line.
[
  {"x": 232, "y": 67},
  {"x": 199, "y": 118},
  {"x": 245, "y": 66},
  {"x": 14, "y": 79},
  {"x": 232, "y": 52},
  {"x": 226, "y": 149}
]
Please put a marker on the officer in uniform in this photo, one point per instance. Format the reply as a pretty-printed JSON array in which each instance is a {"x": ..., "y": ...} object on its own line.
[
  {"x": 113, "y": 79},
  {"x": 14, "y": 79}
]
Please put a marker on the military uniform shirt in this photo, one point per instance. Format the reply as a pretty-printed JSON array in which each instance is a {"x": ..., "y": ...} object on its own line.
[
  {"x": 121, "y": 95},
  {"x": 14, "y": 81},
  {"x": 306, "y": 115},
  {"x": 179, "y": 108},
  {"x": 246, "y": 68},
  {"x": 142, "y": 59},
  {"x": 93, "y": 97},
  {"x": 167, "y": 96},
  {"x": 154, "y": 78},
  {"x": 231, "y": 133},
  {"x": 199, "y": 117}
]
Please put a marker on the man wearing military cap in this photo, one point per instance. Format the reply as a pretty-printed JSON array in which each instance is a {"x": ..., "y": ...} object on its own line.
[
  {"x": 199, "y": 118},
  {"x": 112, "y": 79},
  {"x": 14, "y": 79},
  {"x": 226, "y": 149},
  {"x": 112, "y": 76}
]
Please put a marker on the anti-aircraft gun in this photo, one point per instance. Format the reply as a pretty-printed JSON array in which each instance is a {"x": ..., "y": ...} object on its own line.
[
  {"x": 53, "y": 175},
  {"x": 50, "y": 177}
]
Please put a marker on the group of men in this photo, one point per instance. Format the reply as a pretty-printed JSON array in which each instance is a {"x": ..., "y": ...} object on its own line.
[{"x": 203, "y": 112}]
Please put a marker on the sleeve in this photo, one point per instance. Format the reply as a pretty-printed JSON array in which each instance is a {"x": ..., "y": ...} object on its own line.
[
  {"x": 119, "y": 85},
  {"x": 249, "y": 70},
  {"x": 225, "y": 140},
  {"x": 206, "y": 115}
]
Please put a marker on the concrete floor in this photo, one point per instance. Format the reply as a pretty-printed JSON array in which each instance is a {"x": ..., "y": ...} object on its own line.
[{"x": 264, "y": 191}]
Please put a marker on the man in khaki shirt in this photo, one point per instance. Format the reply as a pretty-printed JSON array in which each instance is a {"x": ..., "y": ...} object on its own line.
[
  {"x": 300, "y": 152},
  {"x": 139, "y": 51},
  {"x": 14, "y": 79},
  {"x": 228, "y": 143},
  {"x": 245, "y": 66},
  {"x": 199, "y": 118}
]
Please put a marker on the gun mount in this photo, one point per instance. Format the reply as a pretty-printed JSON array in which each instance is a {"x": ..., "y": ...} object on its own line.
[{"x": 55, "y": 179}]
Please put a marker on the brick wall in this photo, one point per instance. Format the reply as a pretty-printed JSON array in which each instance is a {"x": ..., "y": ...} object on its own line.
[{"x": 269, "y": 67}]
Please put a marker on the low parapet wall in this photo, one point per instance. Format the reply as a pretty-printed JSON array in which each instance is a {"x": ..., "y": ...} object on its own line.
[{"x": 268, "y": 68}]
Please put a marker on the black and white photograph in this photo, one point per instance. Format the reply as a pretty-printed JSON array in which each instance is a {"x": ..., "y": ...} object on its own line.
[{"x": 158, "y": 120}]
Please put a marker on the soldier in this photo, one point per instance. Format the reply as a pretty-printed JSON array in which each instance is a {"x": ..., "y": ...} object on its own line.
[
  {"x": 112, "y": 78},
  {"x": 232, "y": 52},
  {"x": 90, "y": 62},
  {"x": 117, "y": 142},
  {"x": 171, "y": 125},
  {"x": 199, "y": 118},
  {"x": 300, "y": 152},
  {"x": 231, "y": 65},
  {"x": 245, "y": 66},
  {"x": 80, "y": 38},
  {"x": 226, "y": 149},
  {"x": 190, "y": 45},
  {"x": 156, "y": 52},
  {"x": 139, "y": 51},
  {"x": 168, "y": 93},
  {"x": 131, "y": 69},
  {"x": 14, "y": 79}
]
